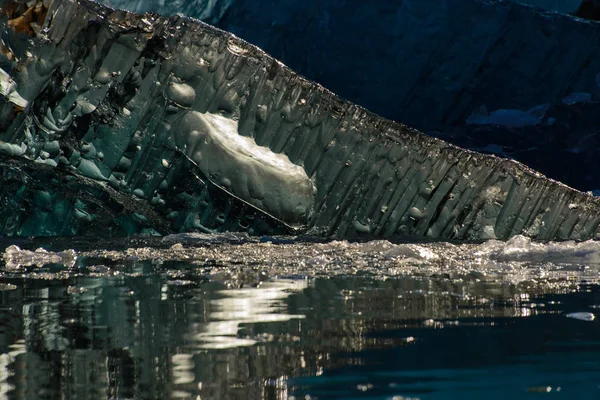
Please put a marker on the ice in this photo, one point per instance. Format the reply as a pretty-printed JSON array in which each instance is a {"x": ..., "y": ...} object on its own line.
[
  {"x": 508, "y": 118},
  {"x": 267, "y": 180},
  {"x": 15, "y": 258},
  {"x": 8, "y": 90},
  {"x": 583, "y": 316},
  {"x": 575, "y": 98},
  {"x": 140, "y": 124},
  {"x": 523, "y": 249},
  {"x": 423, "y": 62}
]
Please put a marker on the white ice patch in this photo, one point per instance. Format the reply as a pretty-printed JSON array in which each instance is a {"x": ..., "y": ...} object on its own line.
[
  {"x": 14, "y": 257},
  {"x": 12, "y": 149},
  {"x": 583, "y": 316},
  {"x": 8, "y": 88},
  {"x": 256, "y": 174},
  {"x": 508, "y": 117}
]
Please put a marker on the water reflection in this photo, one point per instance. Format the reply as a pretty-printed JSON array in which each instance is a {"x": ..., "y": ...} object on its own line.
[
  {"x": 147, "y": 330},
  {"x": 245, "y": 306}
]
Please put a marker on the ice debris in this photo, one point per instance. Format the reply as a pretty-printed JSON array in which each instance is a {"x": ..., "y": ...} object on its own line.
[
  {"x": 583, "y": 316},
  {"x": 15, "y": 257}
]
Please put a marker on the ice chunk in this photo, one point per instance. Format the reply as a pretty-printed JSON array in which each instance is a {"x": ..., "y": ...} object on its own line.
[
  {"x": 522, "y": 249},
  {"x": 14, "y": 257},
  {"x": 8, "y": 88},
  {"x": 583, "y": 316},
  {"x": 250, "y": 145}
]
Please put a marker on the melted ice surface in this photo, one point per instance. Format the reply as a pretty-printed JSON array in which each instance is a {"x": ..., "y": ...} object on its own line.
[{"x": 261, "y": 177}]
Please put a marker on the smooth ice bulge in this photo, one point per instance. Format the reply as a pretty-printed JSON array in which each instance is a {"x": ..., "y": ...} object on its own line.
[{"x": 256, "y": 174}]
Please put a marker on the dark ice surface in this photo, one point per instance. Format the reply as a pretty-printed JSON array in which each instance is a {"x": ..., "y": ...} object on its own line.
[{"x": 234, "y": 317}]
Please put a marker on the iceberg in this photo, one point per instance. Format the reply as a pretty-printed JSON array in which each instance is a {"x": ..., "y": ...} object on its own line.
[
  {"x": 430, "y": 64},
  {"x": 427, "y": 63},
  {"x": 123, "y": 123},
  {"x": 561, "y": 140}
]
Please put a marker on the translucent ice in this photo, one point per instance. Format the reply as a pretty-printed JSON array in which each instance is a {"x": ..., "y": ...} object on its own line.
[
  {"x": 140, "y": 124},
  {"x": 266, "y": 179}
]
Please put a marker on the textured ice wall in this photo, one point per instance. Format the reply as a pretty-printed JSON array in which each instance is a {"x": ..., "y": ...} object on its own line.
[
  {"x": 435, "y": 65},
  {"x": 117, "y": 101},
  {"x": 428, "y": 63}
]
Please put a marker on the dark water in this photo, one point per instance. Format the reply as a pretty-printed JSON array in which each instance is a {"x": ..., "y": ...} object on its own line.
[{"x": 251, "y": 320}]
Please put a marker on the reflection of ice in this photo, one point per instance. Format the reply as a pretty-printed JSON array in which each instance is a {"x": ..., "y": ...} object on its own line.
[
  {"x": 250, "y": 305},
  {"x": 6, "y": 372}
]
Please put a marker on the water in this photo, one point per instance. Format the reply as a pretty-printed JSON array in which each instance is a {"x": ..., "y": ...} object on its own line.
[{"x": 234, "y": 317}]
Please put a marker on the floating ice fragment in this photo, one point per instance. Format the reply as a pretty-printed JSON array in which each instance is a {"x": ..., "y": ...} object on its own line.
[
  {"x": 540, "y": 389},
  {"x": 523, "y": 249},
  {"x": 14, "y": 257},
  {"x": 583, "y": 316}
]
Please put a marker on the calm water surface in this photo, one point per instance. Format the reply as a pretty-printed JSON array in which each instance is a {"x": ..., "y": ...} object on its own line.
[{"x": 234, "y": 318}]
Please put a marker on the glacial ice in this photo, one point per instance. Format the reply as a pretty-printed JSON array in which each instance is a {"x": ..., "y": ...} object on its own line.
[
  {"x": 428, "y": 63},
  {"x": 562, "y": 140},
  {"x": 256, "y": 174},
  {"x": 144, "y": 124},
  {"x": 508, "y": 118},
  {"x": 561, "y": 6}
]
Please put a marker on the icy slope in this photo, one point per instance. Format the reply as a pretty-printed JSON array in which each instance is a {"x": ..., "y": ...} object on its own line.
[{"x": 126, "y": 123}]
